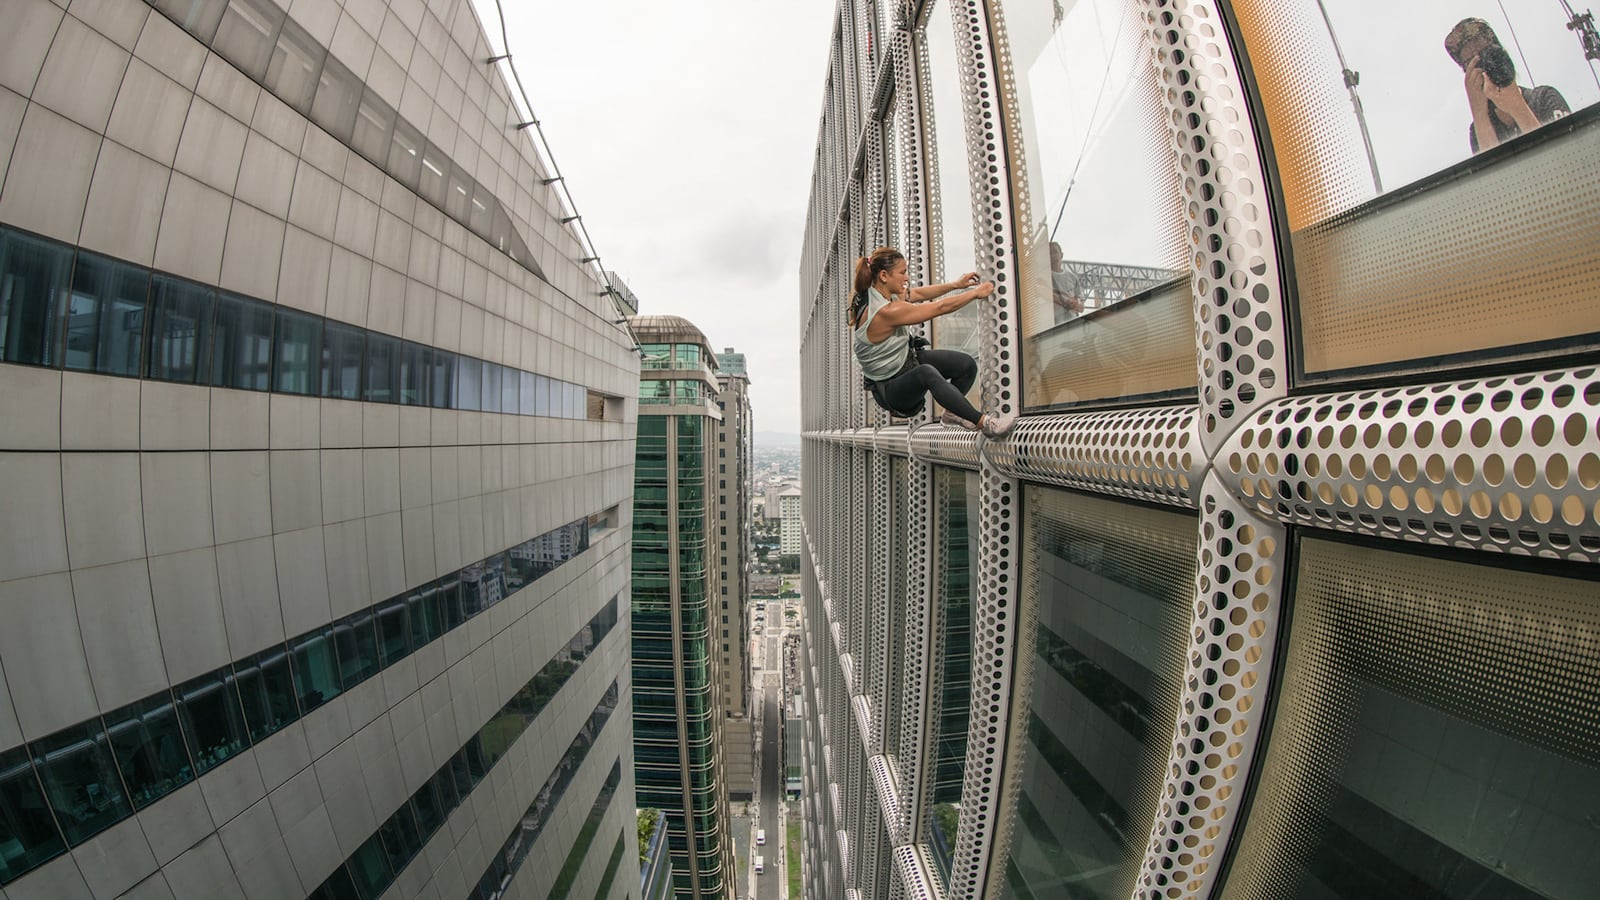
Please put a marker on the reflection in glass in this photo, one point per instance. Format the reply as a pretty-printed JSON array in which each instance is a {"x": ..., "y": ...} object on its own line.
[
  {"x": 198, "y": 17},
  {"x": 382, "y": 369},
  {"x": 1436, "y": 733},
  {"x": 356, "y": 644},
  {"x": 342, "y": 349},
  {"x": 338, "y": 95},
  {"x": 34, "y": 275},
  {"x": 957, "y": 497},
  {"x": 104, "y": 324},
  {"x": 469, "y": 383},
  {"x": 81, "y": 780},
  {"x": 242, "y": 356},
  {"x": 148, "y": 743},
  {"x": 1114, "y": 583},
  {"x": 292, "y": 73},
  {"x": 266, "y": 690},
  {"x": 316, "y": 670},
  {"x": 298, "y": 348},
  {"x": 247, "y": 34},
  {"x": 373, "y": 129},
  {"x": 213, "y": 720},
  {"x": 416, "y": 366},
  {"x": 946, "y": 152},
  {"x": 180, "y": 331},
  {"x": 27, "y": 835}
]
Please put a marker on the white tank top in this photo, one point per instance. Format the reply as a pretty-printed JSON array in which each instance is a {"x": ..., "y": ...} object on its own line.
[{"x": 885, "y": 358}]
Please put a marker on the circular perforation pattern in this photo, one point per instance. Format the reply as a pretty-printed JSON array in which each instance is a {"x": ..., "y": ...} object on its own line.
[
  {"x": 1144, "y": 454},
  {"x": 945, "y": 446},
  {"x": 1237, "y": 291},
  {"x": 886, "y": 783},
  {"x": 912, "y": 873},
  {"x": 1238, "y": 587},
  {"x": 1505, "y": 464},
  {"x": 923, "y": 622}
]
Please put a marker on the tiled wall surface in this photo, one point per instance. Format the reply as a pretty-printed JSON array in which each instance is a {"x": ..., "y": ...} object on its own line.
[{"x": 151, "y": 532}]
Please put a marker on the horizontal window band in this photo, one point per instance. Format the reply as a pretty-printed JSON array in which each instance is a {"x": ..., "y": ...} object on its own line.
[{"x": 60, "y": 790}]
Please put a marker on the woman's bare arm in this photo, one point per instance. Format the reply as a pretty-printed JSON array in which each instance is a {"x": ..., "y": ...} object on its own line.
[
  {"x": 930, "y": 291},
  {"x": 900, "y": 313}
]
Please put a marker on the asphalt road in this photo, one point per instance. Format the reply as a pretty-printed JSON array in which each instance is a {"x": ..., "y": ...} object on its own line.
[{"x": 768, "y": 884}]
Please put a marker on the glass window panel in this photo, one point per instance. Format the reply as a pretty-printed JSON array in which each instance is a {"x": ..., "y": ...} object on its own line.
[
  {"x": 425, "y": 610},
  {"x": 198, "y": 17},
  {"x": 1437, "y": 721},
  {"x": 469, "y": 383},
  {"x": 105, "y": 315},
  {"x": 370, "y": 867},
  {"x": 435, "y": 171},
  {"x": 394, "y": 632},
  {"x": 247, "y": 34},
  {"x": 338, "y": 886},
  {"x": 316, "y": 670},
  {"x": 414, "y": 365},
  {"x": 444, "y": 785},
  {"x": 541, "y": 406},
  {"x": 442, "y": 379},
  {"x": 298, "y": 348},
  {"x": 655, "y": 356},
  {"x": 1115, "y": 587},
  {"x": 686, "y": 356},
  {"x": 147, "y": 741},
  {"x": 357, "y": 646},
  {"x": 458, "y": 193},
  {"x": 382, "y": 369},
  {"x": 525, "y": 398},
  {"x": 81, "y": 781},
  {"x": 242, "y": 352},
  {"x": 266, "y": 689},
  {"x": 958, "y": 552},
  {"x": 405, "y": 153},
  {"x": 401, "y": 838},
  {"x": 213, "y": 720},
  {"x": 654, "y": 390},
  {"x": 1108, "y": 229},
  {"x": 28, "y": 836},
  {"x": 296, "y": 62},
  {"x": 493, "y": 375},
  {"x": 338, "y": 95},
  {"x": 449, "y": 592},
  {"x": 34, "y": 278},
  {"x": 180, "y": 331},
  {"x": 480, "y": 217},
  {"x": 374, "y": 129},
  {"x": 510, "y": 391},
  {"x": 429, "y": 809},
  {"x": 342, "y": 349}
]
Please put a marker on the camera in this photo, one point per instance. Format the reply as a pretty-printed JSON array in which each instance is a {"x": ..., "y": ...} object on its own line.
[{"x": 1496, "y": 63}]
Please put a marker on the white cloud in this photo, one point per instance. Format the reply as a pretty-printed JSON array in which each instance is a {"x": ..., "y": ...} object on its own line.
[{"x": 686, "y": 134}]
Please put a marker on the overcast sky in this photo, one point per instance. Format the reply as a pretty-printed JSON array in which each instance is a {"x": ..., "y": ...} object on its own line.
[{"x": 686, "y": 134}]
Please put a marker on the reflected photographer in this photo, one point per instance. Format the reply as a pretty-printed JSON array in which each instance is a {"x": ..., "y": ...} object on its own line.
[{"x": 1501, "y": 108}]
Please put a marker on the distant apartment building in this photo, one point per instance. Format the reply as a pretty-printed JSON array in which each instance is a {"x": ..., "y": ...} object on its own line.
[
  {"x": 789, "y": 510},
  {"x": 680, "y": 765},
  {"x": 732, "y": 567},
  {"x": 307, "y": 588}
]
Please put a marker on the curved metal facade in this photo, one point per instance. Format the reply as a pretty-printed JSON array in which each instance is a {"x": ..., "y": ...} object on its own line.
[{"x": 1481, "y": 460}]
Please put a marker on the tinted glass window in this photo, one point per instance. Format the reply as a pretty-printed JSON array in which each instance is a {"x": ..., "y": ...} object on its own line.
[
  {"x": 81, "y": 780},
  {"x": 435, "y": 169},
  {"x": 425, "y": 612},
  {"x": 405, "y": 154},
  {"x": 33, "y": 287},
  {"x": 370, "y": 867},
  {"x": 510, "y": 391},
  {"x": 382, "y": 369},
  {"x": 374, "y": 128},
  {"x": 525, "y": 400},
  {"x": 148, "y": 743},
  {"x": 298, "y": 348},
  {"x": 267, "y": 691},
  {"x": 342, "y": 348},
  {"x": 316, "y": 670},
  {"x": 295, "y": 64},
  {"x": 415, "y": 362},
  {"x": 394, "y": 633},
  {"x": 442, "y": 379},
  {"x": 27, "y": 835},
  {"x": 357, "y": 646},
  {"x": 242, "y": 353},
  {"x": 104, "y": 324},
  {"x": 180, "y": 331},
  {"x": 339, "y": 886},
  {"x": 401, "y": 838},
  {"x": 338, "y": 95},
  {"x": 479, "y": 217},
  {"x": 429, "y": 810},
  {"x": 469, "y": 383},
  {"x": 213, "y": 721},
  {"x": 458, "y": 193},
  {"x": 247, "y": 34}
]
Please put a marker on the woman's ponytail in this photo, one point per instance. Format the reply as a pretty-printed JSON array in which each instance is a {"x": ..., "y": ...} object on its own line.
[{"x": 867, "y": 268}]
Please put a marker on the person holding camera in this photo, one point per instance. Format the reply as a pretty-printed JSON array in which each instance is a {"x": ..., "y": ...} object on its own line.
[
  {"x": 899, "y": 369},
  {"x": 1501, "y": 108}
]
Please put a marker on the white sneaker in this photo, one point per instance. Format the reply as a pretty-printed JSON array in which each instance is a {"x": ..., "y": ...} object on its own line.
[
  {"x": 951, "y": 420},
  {"x": 998, "y": 425}
]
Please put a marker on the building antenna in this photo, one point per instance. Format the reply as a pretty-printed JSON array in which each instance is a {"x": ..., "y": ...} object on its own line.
[{"x": 1351, "y": 79}]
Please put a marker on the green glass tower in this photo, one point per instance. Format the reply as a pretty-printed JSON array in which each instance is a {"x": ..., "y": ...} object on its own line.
[{"x": 678, "y": 762}]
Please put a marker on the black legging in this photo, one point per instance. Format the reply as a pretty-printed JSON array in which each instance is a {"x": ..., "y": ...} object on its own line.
[{"x": 948, "y": 374}]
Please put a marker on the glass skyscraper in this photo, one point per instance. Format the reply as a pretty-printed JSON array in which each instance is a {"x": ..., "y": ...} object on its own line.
[
  {"x": 1285, "y": 584},
  {"x": 677, "y": 694}
]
